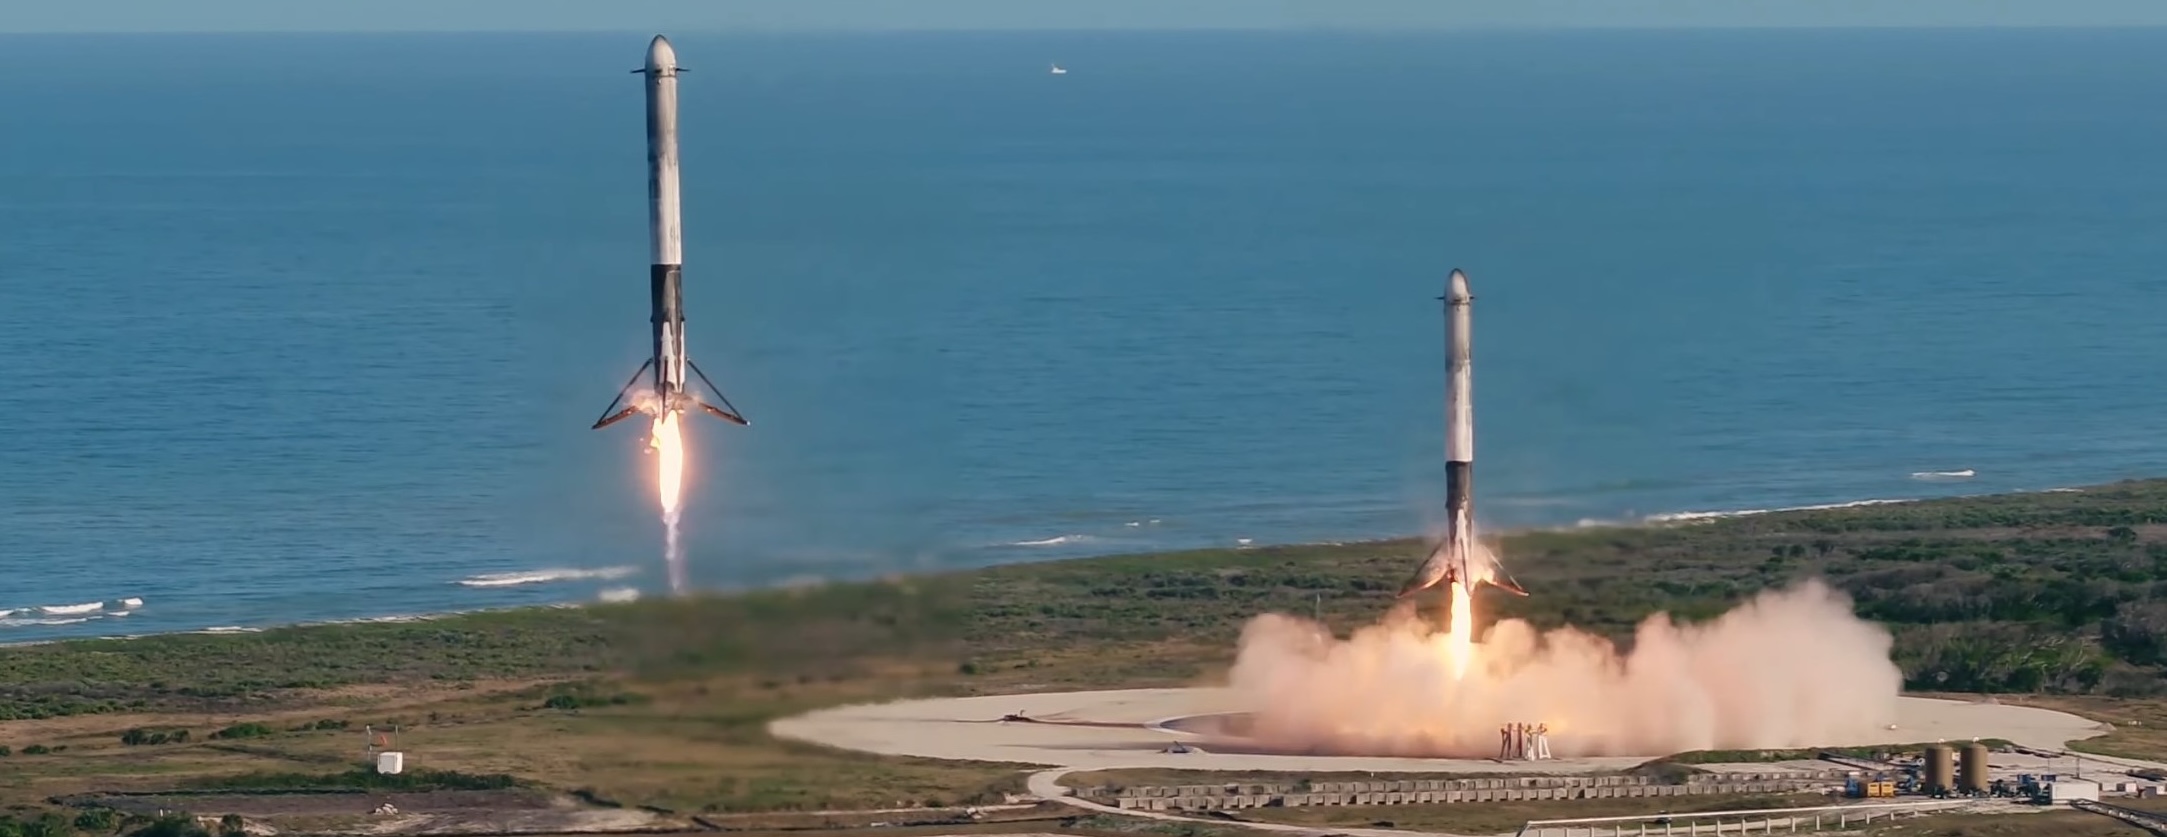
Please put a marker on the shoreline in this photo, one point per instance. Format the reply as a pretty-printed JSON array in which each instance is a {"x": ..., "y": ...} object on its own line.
[
  {"x": 1659, "y": 520},
  {"x": 644, "y": 688}
]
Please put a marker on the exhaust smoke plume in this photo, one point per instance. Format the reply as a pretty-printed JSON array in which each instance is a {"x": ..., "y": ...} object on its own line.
[{"x": 1791, "y": 668}]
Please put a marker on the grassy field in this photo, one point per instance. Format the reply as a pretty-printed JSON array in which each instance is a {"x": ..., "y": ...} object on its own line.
[
  {"x": 2044, "y": 824},
  {"x": 665, "y": 703},
  {"x": 2140, "y": 726}
]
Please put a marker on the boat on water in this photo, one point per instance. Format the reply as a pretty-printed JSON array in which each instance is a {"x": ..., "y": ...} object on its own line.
[{"x": 1059, "y": 70}]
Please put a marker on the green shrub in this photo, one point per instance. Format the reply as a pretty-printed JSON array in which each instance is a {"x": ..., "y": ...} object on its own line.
[
  {"x": 578, "y": 700},
  {"x": 97, "y": 821},
  {"x": 48, "y": 825},
  {"x": 140, "y": 737},
  {"x": 171, "y": 825},
  {"x": 247, "y": 730},
  {"x": 359, "y": 779}
]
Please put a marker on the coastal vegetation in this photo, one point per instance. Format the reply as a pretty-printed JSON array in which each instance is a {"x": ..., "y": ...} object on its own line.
[{"x": 2055, "y": 595}]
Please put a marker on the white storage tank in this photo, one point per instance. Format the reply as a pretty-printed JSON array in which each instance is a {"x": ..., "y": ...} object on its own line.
[
  {"x": 392, "y": 763},
  {"x": 2065, "y": 791}
]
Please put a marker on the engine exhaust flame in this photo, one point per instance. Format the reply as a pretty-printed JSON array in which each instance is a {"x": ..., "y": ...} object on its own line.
[
  {"x": 668, "y": 441},
  {"x": 1460, "y": 640}
]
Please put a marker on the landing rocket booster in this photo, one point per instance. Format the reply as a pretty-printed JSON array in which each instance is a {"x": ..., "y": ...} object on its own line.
[
  {"x": 668, "y": 392},
  {"x": 1459, "y": 557}
]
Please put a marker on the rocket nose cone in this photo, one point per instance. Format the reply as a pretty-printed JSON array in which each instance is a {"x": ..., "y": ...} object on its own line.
[
  {"x": 660, "y": 56},
  {"x": 1458, "y": 292}
]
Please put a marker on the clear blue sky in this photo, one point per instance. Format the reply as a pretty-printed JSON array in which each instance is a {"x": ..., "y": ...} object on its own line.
[{"x": 686, "y": 15}]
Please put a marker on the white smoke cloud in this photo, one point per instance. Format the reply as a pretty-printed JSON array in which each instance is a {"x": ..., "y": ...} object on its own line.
[{"x": 1791, "y": 668}]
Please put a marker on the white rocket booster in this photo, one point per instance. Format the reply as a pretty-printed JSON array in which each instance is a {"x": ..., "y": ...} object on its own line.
[
  {"x": 669, "y": 390},
  {"x": 1458, "y": 557}
]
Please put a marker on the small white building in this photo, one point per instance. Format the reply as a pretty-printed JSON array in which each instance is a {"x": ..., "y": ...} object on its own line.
[{"x": 2065, "y": 791}]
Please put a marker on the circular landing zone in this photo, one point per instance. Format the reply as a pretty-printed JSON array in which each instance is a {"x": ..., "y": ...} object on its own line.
[{"x": 1175, "y": 728}]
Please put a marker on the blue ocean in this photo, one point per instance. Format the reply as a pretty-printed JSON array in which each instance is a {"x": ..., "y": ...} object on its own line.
[{"x": 309, "y": 327}]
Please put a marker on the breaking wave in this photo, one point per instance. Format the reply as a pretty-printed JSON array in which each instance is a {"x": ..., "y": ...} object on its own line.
[
  {"x": 67, "y": 614},
  {"x": 1965, "y": 474},
  {"x": 545, "y": 577},
  {"x": 47, "y": 622},
  {"x": 1056, "y": 540},
  {"x": 1701, "y": 516}
]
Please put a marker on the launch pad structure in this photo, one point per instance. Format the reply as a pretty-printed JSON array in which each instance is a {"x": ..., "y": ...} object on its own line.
[{"x": 1158, "y": 728}]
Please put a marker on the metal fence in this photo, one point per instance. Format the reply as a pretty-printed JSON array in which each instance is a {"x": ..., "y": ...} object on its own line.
[
  {"x": 1754, "y": 821},
  {"x": 1433, "y": 791}
]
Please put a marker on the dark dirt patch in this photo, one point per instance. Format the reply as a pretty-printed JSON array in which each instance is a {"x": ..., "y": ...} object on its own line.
[{"x": 322, "y": 803}]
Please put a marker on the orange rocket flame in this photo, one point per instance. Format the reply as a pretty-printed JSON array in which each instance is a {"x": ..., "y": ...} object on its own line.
[
  {"x": 668, "y": 442},
  {"x": 1460, "y": 641},
  {"x": 669, "y": 445}
]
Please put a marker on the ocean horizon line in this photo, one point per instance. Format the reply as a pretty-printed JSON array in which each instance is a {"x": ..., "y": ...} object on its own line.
[{"x": 1380, "y": 30}]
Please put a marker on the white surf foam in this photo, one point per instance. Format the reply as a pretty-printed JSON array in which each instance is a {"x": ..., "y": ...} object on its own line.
[
  {"x": 44, "y": 616},
  {"x": 1055, "y": 541},
  {"x": 1965, "y": 474},
  {"x": 545, "y": 576},
  {"x": 43, "y": 622},
  {"x": 617, "y": 595},
  {"x": 1703, "y": 516}
]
